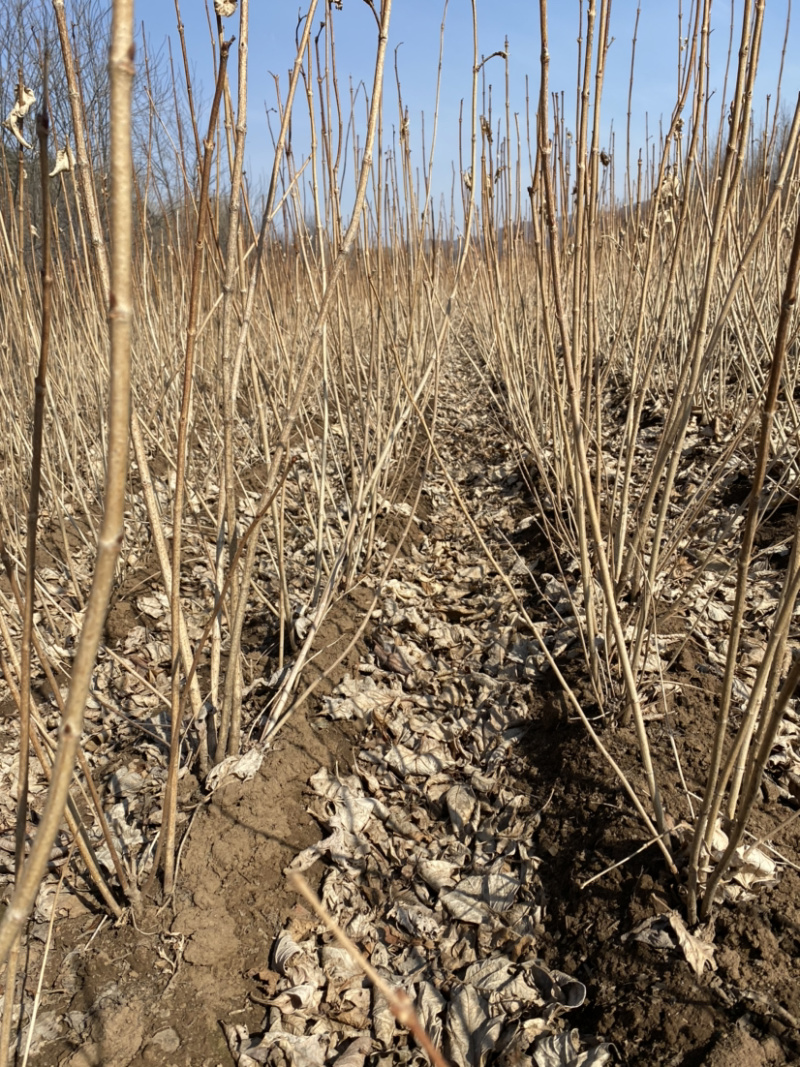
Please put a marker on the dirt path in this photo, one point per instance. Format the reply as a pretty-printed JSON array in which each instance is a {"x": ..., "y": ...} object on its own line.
[{"x": 457, "y": 813}]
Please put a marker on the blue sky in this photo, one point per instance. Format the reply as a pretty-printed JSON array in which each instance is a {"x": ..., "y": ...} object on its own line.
[{"x": 415, "y": 31}]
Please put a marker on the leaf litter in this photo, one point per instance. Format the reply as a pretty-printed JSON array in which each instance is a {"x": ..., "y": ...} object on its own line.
[
  {"x": 430, "y": 866},
  {"x": 429, "y": 857}
]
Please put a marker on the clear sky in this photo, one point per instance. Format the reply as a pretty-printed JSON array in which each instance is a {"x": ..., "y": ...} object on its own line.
[{"x": 415, "y": 33}]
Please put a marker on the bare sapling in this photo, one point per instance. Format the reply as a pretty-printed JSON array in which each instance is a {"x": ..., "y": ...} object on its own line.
[
  {"x": 312, "y": 347},
  {"x": 579, "y": 443},
  {"x": 768, "y": 712},
  {"x": 42, "y": 133},
  {"x": 167, "y": 841},
  {"x": 230, "y": 717},
  {"x": 288, "y": 393},
  {"x": 111, "y": 531},
  {"x": 662, "y": 303}
]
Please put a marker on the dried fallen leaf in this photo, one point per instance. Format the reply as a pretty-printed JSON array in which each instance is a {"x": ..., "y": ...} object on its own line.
[
  {"x": 465, "y": 902},
  {"x": 392, "y": 661},
  {"x": 407, "y": 762},
  {"x": 499, "y": 979},
  {"x": 698, "y": 952},
  {"x": 439, "y": 874},
  {"x": 383, "y": 1021},
  {"x": 244, "y": 767},
  {"x": 669, "y": 931},
  {"x": 461, "y": 804},
  {"x": 563, "y": 1050},
  {"x": 298, "y": 1050},
  {"x": 472, "y": 1033},
  {"x": 356, "y": 1053}
]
